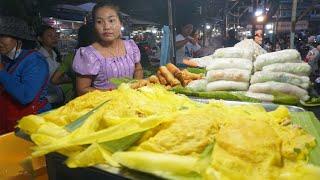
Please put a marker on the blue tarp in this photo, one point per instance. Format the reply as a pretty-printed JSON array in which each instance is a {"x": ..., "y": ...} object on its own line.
[{"x": 165, "y": 46}]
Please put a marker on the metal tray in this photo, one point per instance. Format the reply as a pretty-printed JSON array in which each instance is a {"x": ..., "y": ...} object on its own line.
[
  {"x": 57, "y": 170},
  {"x": 267, "y": 106}
]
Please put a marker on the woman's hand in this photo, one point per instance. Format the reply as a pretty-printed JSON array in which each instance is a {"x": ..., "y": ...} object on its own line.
[
  {"x": 83, "y": 84},
  {"x": 192, "y": 41},
  {"x": 138, "y": 71}
]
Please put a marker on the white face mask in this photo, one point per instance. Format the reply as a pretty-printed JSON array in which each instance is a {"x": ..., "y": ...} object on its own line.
[{"x": 14, "y": 53}]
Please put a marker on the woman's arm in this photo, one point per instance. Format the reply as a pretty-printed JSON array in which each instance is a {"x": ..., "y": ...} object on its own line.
[
  {"x": 59, "y": 77},
  {"x": 138, "y": 71},
  {"x": 33, "y": 77},
  {"x": 180, "y": 44},
  {"x": 83, "y": 84}
]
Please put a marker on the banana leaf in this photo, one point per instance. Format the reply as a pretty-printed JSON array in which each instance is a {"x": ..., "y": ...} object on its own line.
[
  {"x": 314, "y": 101},
  {"x": 225, "y": 95},
  {"x": 118, "y": 81},
  {"x": 121, "y": 144},
  {"x": 197, "y": 70},
  {"x": 168, "y": 166},
  {"x": 78, "y": 122},
  {"x": 311, "y": 124},
  {"x": 281, "y": 98}
]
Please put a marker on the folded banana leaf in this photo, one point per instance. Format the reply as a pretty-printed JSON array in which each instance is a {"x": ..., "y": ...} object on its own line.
[
  {"x": 311, "y": 124},
  {"x": 281, "y": 98},
  {"x": 118, "y": 81},
  {"x": 314, "y": 101},
  {"x": 224, "y": 95},
  {"x": 121, "y": 144},
  {"x": 197, "y": 70},
  {"x": 78, "y": 122},
  {"x": 168, "y": 166}
]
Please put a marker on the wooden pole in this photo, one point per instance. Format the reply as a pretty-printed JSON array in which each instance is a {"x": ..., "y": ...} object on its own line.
[
  {"x": 172, "y": 30},
  {"x": 293, "y": 22}
]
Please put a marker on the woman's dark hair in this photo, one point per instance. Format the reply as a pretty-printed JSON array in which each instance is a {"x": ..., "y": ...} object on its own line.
[
  {"x": 105, "y": 4},
  {"x": 42, "y": 29},
  {"x": 40, "y": 32},
  {"x": 28, "y": 45},
  {"x": 85, "y": 35}
]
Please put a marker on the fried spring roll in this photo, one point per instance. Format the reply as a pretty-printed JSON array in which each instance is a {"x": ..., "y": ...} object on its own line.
[
  {"x": 154, "y": 79},
  {"x": 169, "y": 77},
  {"x": 162, "y": 80}
]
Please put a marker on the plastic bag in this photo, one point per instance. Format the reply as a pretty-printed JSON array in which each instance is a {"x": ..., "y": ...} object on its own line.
[
  {"x": 198, "y": 85},
  {"x": 227, "y": 85},
  {"x": 301, "y": 69},
  {"x": 238, "y": 75},
  {"x": 284, "y": 56},
  {"x": 273, "y": 87},
  {"x": 265, "y": 76},
  {"x": 233, "y": 52},
  {"x": 226, "y": 63}
]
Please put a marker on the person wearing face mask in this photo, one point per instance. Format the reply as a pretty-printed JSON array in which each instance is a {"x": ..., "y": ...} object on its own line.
[
  {"x": 183, "y": 41},
  {"x": 109, "y": 56},
  {"x": 23, "y": 74}
]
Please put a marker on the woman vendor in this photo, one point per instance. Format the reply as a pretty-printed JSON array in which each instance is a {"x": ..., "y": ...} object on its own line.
[
  {"x": 23, "y": 74},
  {"x": 109, "y": 56}
]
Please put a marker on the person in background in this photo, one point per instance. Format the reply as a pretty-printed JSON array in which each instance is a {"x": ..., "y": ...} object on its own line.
[
  {"x": 64, "y": 75},
  {"x": 183, "y": 40},
  {"x": 109, "y": 56},
  {"x": 23, "y": 74},
  {"x": 258, "y": 37},
  {"x": 194, "y": 48},
  {"x": 231, "y": 40},
  {"x": 48, "y": 39}
]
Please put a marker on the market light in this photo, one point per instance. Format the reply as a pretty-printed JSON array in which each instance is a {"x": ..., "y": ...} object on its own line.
[
  {"x": 208, "y": 27},
  {"x": 258, "y": 12},
  {"x": 270, "y": 32},
  {"x": 269, "y": 26},
  {"x": 260, "y": 18},
  {"x": 122, "y": 28},
  {"x": 154, "y": 31}
]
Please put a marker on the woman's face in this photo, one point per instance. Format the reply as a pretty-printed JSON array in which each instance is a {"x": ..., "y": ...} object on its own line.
[
  {"x": 7, "y": 44},
  {"x": 49, "y": 38},
  {"x": 187, "y": 30},
  {"x": 107, "y": 24}
]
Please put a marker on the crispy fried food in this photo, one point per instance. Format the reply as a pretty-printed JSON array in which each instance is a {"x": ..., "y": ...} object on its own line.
[
  {"x": 251, "y": 141},
  {"x": 139, "y": 83},
  {"x": 186, "y": 135},
  {"x": 177, "y": 73},
  {"x": 169, "y": 77},
  {"x": 162, "y": 80},
  {"x": 189, "y": 75},
  {"x": 154, "y": 79}
]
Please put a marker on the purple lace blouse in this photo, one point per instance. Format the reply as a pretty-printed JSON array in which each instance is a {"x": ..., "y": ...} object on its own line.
[{"x": 88, "y": 61}]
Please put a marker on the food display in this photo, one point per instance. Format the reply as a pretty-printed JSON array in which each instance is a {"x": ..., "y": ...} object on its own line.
[
  {"x": 278, "y": 77},
  {"x": 234, "y": 52},
  {"x": 226, "y": 72},
  {"x": 281, "y": 71},
  {"x": 158, "y": 132},
  {"x": 251, "y": 45},
  {"x": 169, "y": 76}
]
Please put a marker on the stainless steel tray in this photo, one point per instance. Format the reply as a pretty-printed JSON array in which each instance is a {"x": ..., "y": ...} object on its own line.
[{"x": 267, "y": 106}]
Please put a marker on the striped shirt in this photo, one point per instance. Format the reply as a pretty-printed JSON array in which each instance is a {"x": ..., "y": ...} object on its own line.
[{"x": 88, "y": 61}]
